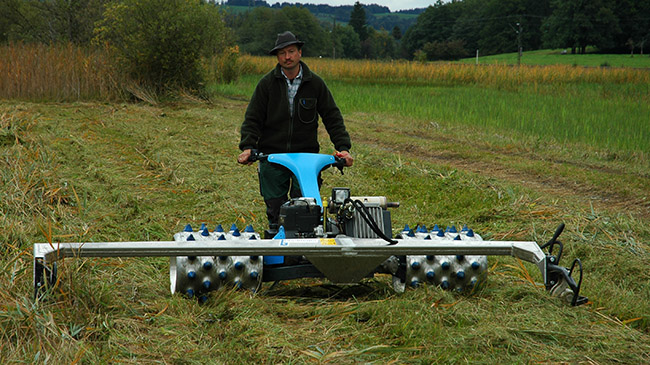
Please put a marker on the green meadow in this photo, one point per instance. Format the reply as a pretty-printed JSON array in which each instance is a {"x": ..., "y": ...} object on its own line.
[
  {"x": 559, "y": 57},
  {"x": 511, "y": 160},
  {"x": 608, "y": 116}
]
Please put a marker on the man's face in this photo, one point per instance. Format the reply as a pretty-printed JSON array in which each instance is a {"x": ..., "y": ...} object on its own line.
[{"x": 289, "y": 57}]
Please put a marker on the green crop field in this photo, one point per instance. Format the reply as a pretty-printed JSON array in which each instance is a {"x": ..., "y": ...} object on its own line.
[
  {"x": 556, "y": 57},
  {"x": 512, "y": 155}
]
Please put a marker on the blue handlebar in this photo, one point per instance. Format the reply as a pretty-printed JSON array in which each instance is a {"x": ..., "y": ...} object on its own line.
[{"x": 305, "y": 166}]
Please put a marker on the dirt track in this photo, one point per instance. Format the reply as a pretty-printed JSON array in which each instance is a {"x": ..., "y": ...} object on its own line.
[{"x": 507, "y": 167}]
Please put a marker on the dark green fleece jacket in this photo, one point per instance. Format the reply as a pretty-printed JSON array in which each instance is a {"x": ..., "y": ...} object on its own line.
[{"x": 269, "y": 127}]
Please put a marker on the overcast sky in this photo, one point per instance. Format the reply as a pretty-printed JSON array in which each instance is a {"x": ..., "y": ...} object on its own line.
[{"x": 393, "y": 5}]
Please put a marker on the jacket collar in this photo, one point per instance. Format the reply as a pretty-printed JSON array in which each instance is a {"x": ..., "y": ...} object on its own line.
[{"x": 306, "y": 72}]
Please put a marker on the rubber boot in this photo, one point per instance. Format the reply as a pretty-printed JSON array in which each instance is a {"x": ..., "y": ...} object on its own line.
[{"x": 273, "y": 209}]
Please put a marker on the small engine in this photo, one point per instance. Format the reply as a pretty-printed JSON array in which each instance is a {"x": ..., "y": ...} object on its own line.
[
  {"x": 300, "y": 217},
  {"x": 360, "y": 217}
]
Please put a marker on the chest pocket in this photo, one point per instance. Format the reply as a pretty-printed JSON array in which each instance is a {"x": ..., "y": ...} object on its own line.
[{"x": 307, "y": 110}]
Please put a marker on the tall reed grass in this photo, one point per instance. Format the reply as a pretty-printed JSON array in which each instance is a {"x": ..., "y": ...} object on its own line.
[
  {"x": 503, "y": 76},
  {"x": 57, "y": 72}
]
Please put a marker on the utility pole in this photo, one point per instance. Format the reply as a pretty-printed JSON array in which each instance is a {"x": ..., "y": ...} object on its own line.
[
  {"x": 334, "y": 37},
  {"x": 519, "y": 49}
]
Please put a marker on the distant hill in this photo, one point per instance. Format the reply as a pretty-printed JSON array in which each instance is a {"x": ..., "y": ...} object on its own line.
[{"x": 377, "y": 16}]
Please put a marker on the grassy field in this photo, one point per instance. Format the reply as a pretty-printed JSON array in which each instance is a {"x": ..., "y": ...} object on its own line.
[
  {"x": 555, "y": 57},
  {"x": 601, "y": 108},
  {"x": 450, "y": 152}
]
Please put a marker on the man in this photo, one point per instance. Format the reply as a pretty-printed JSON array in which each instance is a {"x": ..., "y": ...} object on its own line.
[{"x": 282, "y": 117}]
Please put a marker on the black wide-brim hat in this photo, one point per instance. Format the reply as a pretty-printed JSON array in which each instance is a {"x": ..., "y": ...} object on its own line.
[{"x": 284, "y": 40}]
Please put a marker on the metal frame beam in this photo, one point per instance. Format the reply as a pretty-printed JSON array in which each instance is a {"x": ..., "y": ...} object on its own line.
[{"x": 46, "y": 254}]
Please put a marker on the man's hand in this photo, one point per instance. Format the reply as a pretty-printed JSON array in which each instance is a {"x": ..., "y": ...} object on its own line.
[
  {"x": 243, "y": 157},
  {"x": 349, "y": 160}
]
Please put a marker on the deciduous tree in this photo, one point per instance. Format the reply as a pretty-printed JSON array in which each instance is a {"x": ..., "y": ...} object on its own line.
[{"x": 162, "y": 42}]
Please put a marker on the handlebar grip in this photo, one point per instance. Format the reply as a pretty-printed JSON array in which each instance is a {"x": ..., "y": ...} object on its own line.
[
  {"x": 558, "y": 232},
  {"x": 256, "y": 156}
]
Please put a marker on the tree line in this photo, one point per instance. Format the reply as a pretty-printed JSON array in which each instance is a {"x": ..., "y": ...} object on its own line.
[
  {"x": 458, "y": 28},
  {"x": 166, "y": 42},
  {"x": 256, "y": 30},
  {"x": 377, "y": 16}
]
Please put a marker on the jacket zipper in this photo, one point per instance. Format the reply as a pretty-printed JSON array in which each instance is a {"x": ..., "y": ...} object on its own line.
[
  {"x": 292, "y": 115},
  {"x": 286, "y": 93}
]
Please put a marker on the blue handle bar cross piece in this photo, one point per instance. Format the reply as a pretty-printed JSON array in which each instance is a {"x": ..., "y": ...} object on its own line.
[{"x": 305, "y": 167}]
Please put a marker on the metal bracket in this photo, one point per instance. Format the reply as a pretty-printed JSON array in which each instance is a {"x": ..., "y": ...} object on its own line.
[
  {"x": 44, "y": 276},
  {"x": 559, "y": 281}
]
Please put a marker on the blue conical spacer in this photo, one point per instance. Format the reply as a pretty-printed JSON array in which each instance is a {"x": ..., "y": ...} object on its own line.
[
  {"x": 191, "y": 238},
  {"x": 188, "y": 228},
  {"x": 205, "y": 232},
  {"x": 233, "y": 227},
  {"x": 249, "y": 229},
  {"x": 218, "y": 228},
  {"x": 236, "y": 233}
]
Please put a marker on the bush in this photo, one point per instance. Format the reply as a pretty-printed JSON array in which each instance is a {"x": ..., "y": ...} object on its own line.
[
  {"x": 225, "y": 67},
  {"x": 161, "y": 43}
]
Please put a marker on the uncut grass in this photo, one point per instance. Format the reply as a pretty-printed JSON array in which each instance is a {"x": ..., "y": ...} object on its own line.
[
  {"x": 554, "y": 57},
  {"x": 130, "y": 172},
  {"x": 583, "y": 116},
  {"x": 502, "y": 76},
  {"x": 606, "y": 116},
  {"x": 61, "y": 72}
]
